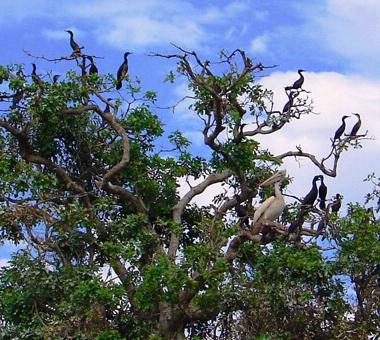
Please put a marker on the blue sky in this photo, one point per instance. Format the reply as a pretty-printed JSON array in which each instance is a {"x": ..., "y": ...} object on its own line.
[{"x": 336, "y": 41}]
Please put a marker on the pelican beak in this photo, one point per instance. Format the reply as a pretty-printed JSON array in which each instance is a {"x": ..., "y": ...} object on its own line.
[{"x": 277, "y": 177}]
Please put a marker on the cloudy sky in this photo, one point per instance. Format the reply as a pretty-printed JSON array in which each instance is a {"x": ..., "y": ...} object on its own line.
[{"x": 336, "y": 41}]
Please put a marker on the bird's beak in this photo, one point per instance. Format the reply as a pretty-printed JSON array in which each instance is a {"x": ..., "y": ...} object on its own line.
[{"x": 278, "y": 176}]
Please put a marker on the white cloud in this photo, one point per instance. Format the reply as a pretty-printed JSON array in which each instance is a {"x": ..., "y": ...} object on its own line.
[
  {"x": 4, "y": 263},
  {"x": 260, "y": 44}
]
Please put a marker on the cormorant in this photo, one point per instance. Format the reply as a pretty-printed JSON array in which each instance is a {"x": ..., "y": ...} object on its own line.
[
  {"x": 241, "y": 211},
  {"x": 272, "y": 207},
  {"x": 322, "y": 193},
  {"x": 108, "y": 109},
  {"x": 341, "y": 128},
  {"x": 297, "y": 223},
  {"x": 288, "y": 104},
  {"x": 337, "y": 204},
  {"x": 36, "y": 79},
  {"x": 93, "y": 68},
  {"x": 122, "y": 71},
  {"x": 16, "y": 98},
  {"x": 73, "y": 44},
  {"x": 298, "y": 83},
  {"x": 55, "y": 78},
  {"x": 356, "y": 127},
  {"x": 312, "y": 195}
]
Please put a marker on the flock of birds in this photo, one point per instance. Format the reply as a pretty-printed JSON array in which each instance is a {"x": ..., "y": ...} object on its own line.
[
  {"x": 121, "y": 72},
  {"x": 273, "y": 207}
]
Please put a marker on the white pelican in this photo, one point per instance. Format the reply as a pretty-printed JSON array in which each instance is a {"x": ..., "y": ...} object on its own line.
[{"x": 272, "y": 207}]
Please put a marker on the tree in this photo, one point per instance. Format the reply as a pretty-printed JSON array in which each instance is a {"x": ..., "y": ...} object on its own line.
[{"x": 87, "y": 187}]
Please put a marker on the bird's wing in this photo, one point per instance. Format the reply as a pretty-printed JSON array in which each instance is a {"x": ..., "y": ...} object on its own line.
[{"x": 262, "y": 208}]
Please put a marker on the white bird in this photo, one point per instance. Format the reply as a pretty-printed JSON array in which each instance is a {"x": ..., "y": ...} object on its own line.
[{"x": 272, "y": 207}]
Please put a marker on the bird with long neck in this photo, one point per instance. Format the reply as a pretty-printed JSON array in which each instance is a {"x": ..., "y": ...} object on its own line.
[
  {"x": 93, "y": 69},
  {"x": 322, "y": 193},
  {"x": 339, "y": 132},
  {"x": 337, "y": 204},
  {"x": 357, "y": 126},
  {"x": 299, "y": 82},
  {"x": 73, "y": 44},
  {"x": 122, "y": 71},
  {"x": 272, "y": 207},
  {"x": 313, "y": 193},
  {"x": 36, "y": 79}
]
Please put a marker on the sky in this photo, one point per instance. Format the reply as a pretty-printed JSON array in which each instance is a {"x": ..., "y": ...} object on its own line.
[{"x": 336, "y": 41}]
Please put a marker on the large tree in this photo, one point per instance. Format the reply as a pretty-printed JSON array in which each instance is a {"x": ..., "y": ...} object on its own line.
[{"x": 90, "y": 185}]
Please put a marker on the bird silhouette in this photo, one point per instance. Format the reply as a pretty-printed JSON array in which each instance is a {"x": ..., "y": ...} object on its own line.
[
  {"x": 122, "y": 71},
  {"x": 322, "y": 191},
  {"x": 299, "y": 82},
  {"x": 357, "y": 125},
  {"x": 93, "y": 68},
  {"x": 339, "y": 132},
  {"x": 313, "y": 193},
  {"x": 73, "y": 44}
]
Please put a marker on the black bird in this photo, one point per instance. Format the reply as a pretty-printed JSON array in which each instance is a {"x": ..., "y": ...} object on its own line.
[
  {"x": 241, "y": 211},
  {"x": 93, "y": 68},
  {"x": 356, "y": 127},
  {"x": 122, "y": 71},
  {"x": 73, "y": 44},
  {"x": 337, "y": 204},
  {"x": 341, "y": 129},
  {"x": 297, "y": 223},
  {"x": 108, "y": 109},
  {"x": 312, "y": 195},
  {"x": 322, "y": 193},
  {"x": 288, "y": 105},
  {"x": 55, "y": 78},
  {"x": 298, "y": 83},
  {"x": 36, "y": 79}
]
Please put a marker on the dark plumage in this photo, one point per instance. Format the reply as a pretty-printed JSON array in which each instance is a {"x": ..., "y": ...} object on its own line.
[
  {"x": 322, "y": 193},
  {"x": 241, "y": 212},
  {"x": 312, "y": 195},
  {"x": 356, "y": 127},
  {"x": 36, "y": 79},
  {"x": 337, "y": 204},
  {"x": 108, "y": 109},
  {"x": 73, "y": 44},
  {"x": 297, "y": 223},
  {"x": 122, "y": 71},
  {"x": 298, "y": 83},
  {"x": 55, "y": 78},
  {"x": 93, "y": 68},
  {"x": 288, "y": 104},
  {"x": 341, "y": 129},
  {"x": 16, "y": 98}
]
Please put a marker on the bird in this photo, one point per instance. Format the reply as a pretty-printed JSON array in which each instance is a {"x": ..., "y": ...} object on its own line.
[
  {"x": 16, "y": 98},
  {"x": 73, "y": 44},
  {"x": 122, "y": 71},
  {"x": 93, "y": 68},
  {"x": 299, "y": 82},
  {"x": 322, "y": 191},
  {"x": 313, "y": 193},
  {"x": 36, "y": 79},
  {"x": 272, "y": 207},
  {"x": 341, "y": 129},
  {"x": 337, "y": 203},
  {"x": 107, "y": 108},
  {"x": 241, "y": 211},
  {"x": 288, "y": 104},
  {"x": 296, "y": 223},
  {"x": 356, "y": 127},
  {"x": 55, "y": 78}
]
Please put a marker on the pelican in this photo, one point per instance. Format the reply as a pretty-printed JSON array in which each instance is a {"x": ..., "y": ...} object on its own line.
[
  {"x": 356, "y": 127},
  {"x": 298, "y": 83},
  {"x": 272, "y": 207},
  {"x": 313, "y": 193},
  {"x": 341, "y": 128},
  {"x": 322, "y": 193}
]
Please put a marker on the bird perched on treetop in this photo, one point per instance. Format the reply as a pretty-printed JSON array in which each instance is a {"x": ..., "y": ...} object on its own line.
[
  {"x": 122, "y": 71},
  {"x": 322, "y": 193},
  {"x": 356, "y": 127},
  {"x": 73, "y": 44},
  {"x": 36, "y": 79},
  {"x": 298, "y": 83},
  {"x": 341, "y": 128},
  {"x": 312, "y": 195},
  {"x": 93, "y": 68},
  {"x": 337, "y": 204}
]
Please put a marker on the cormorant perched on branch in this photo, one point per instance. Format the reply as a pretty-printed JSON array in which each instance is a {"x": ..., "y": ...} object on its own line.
[
  {"x": 55, "y": 78},
  {"x": 36, "y": 79},
  {"x": 107, "y": 108},
  {"x": 93, "y": 68},
  {"x": 312, "y": 195},
  {"x": 73, "y": 44},
  {"x": 356, "y": 127},
  {"x": 341, "y": 129},
  {"x": 122, "y": 71},
  {"x": 298, "y": 83},
  {"x": 322, "y": 193},
  {"x": 337, "y": 204}
]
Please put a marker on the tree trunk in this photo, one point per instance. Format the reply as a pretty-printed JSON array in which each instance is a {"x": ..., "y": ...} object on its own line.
[{"x": 172, "y": 322}]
